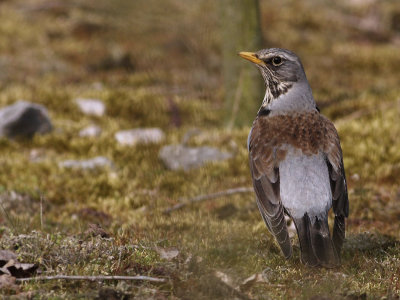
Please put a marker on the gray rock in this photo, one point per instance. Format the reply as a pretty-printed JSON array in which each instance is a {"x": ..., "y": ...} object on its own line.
[
  {"x": 37, "y": 155},
  {"x": 181, "y": 157},
  {"x": 93, "y": 107},
  {"x": 140, "y": 136},
  {"x": 88, "y": 164},
  {"x": 90, "y": 131},
  {"x": 168, "y": 253},
  {"x": 24, "y": 119}
]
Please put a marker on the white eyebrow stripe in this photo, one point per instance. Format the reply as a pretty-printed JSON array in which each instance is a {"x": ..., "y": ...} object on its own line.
[{"x": 281, "y": 54}]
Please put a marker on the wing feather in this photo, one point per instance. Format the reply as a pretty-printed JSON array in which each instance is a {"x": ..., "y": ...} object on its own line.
[
  {"x": 340, "y": 200},
  {"x": 266, "y": 185}
]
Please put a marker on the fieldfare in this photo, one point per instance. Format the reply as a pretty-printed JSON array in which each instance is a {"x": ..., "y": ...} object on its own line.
[{"x": 296, "y": 161}]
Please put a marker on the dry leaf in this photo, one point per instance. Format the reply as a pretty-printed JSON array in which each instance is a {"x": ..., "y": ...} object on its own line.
[
  {"x": 21, "y": 270},
  {"x": 11, "y": 267},
  {"x": 228, "y": 282},
  {"x": 5, "y": 271},
  {"x": 250, "y": 281}
]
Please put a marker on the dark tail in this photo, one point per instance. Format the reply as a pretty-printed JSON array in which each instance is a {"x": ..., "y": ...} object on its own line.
[
  {"x": 338, "y": 233},
  {"x": 315, "y": 242}
]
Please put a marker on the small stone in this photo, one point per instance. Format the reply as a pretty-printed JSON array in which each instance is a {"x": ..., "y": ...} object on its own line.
[
  {"x": 93, "y": 107},
  {"x": 180, "y": 157},
  {"x": 24, "y": 119},
  {"x": 37, "y": 155},
  {"x": 88, "y": 164},
  {"x": 140, "y": 136},
  {"x": 168, "y": 253},
  {"x": 90, "y": 131}
]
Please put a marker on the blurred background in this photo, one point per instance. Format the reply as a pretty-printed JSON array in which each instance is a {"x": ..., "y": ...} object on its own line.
[{"x": 145, "y": 104}]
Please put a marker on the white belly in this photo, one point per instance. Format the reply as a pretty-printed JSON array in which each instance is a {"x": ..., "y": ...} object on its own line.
[{"x": 304, "y": 184}]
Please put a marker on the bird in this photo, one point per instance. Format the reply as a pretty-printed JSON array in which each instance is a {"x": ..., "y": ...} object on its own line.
[{"x": 296, "y": 162}]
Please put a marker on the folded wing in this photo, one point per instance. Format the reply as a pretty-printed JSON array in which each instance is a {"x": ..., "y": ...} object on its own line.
[
  {"x": 340, "y": 200},
  {"x": 266, "y": 185}
]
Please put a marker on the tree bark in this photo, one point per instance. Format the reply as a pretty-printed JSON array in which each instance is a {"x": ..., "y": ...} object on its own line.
[{"x": 243, "y": 85}]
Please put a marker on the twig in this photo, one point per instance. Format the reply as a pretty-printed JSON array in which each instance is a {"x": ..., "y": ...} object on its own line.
[
  {"x": 200, "y": 198},
  {"x": 236, "y": 100},
  {"x": 41, "y": 212},
  {"x": 364, "y": 112},
  {"x": 92, "y": 278}
]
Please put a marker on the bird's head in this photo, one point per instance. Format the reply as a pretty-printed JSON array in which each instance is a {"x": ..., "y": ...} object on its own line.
[{"x": 282, "y": 72}]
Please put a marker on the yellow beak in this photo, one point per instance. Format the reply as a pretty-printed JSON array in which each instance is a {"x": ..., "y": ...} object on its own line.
[{"x": 251, "y": 56}]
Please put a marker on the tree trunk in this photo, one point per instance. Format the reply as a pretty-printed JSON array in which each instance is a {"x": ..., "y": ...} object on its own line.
[{"x": 242, "y": 82}]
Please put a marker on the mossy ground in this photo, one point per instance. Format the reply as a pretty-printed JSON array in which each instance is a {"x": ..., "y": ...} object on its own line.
[{"x": 121, "y": 53}]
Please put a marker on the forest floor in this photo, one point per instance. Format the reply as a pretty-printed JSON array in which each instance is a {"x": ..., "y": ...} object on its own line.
[{"x": 52, "y": 52}]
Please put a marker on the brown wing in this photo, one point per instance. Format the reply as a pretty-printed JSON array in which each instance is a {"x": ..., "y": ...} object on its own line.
[
  {"x": 266, "y": 185},
  {"x": 338, "y": 183}
]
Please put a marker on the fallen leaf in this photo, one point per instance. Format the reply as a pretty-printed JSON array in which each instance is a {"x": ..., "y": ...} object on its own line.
[
  {"x": 250, "y": 281},
  {"x": 14, "y": 268},
  {"x": 4, "y": 269},
  {"x": 17, "y": 269},
  {"x": 228, "y": 283},
  {"x": 21, "y": 270}
]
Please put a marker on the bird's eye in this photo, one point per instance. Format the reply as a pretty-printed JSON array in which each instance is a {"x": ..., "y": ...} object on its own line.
[{"x": 276, "y": 61}]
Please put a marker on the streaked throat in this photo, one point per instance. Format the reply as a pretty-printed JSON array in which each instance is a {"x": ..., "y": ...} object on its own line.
[{"x": 274, "y": 88}]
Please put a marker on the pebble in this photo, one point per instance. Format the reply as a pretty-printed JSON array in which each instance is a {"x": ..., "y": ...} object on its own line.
[
  {"x": 93, "y": 107},
  {"x": 181, "y": 157},
  {"x": 140, "y": 136}
]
